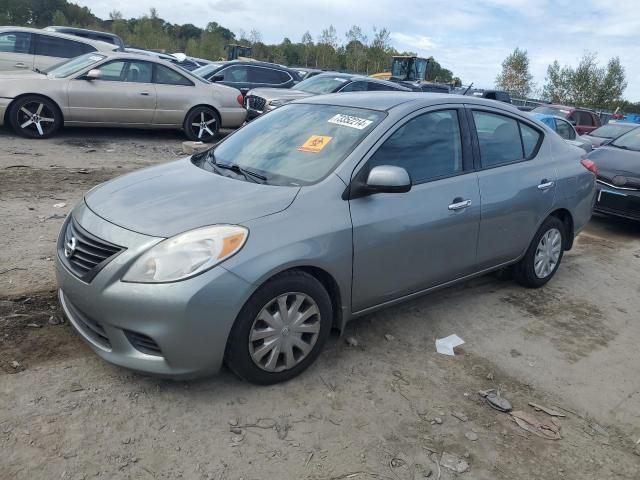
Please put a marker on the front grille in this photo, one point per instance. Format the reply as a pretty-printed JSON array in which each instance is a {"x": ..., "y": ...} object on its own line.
[
  {"x": 256, "y": 103},
  {"x": 83, "y": 253},
  {"x": 618, "y": 203},
  {"x": 143, "y": 343},
  {"x": 88, "y": 326}
]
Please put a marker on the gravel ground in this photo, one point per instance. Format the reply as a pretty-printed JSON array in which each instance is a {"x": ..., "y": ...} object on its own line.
[{"x": 383, "y": 405}]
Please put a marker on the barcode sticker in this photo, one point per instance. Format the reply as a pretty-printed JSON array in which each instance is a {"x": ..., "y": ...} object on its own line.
[{"x": 349, "y": 121}]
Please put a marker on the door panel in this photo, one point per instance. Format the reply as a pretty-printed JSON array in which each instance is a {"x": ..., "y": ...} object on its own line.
[
  {"x": 516, "y": 193},
  {"x": 404, "y": 243},
  {"x": 122, "y": 98},
  {"x": 408, "y": 242}
]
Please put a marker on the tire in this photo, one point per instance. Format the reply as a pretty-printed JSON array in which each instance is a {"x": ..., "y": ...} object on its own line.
[
  {"x": 258, "y": 361},
  {"x": 538, "y": 266},
  {"x": 202, "y": 124},
  {"x": 34, "y": 116}
]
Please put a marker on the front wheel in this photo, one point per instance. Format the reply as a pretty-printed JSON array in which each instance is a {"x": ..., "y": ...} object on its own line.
[
  {"x": 202, "y": 124},
  {"x": 35, "y": 117},
  {"x": 544, "y": 255},
  {"x": 281, "y": 329}
]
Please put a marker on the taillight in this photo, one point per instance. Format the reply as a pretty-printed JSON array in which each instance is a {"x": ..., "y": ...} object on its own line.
[
  {"x": 240, "y": 99},
  {"x": 590, "y": 165}
]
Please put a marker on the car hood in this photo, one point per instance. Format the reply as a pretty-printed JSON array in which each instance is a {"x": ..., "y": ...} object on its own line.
[
  {"x": 175, "y": 197},
  {"x": 612, "y": 161},
  {"x": 278, "y": 94}
]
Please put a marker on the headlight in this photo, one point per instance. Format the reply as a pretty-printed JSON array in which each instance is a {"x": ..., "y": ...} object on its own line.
[
  {"x": 187, "y": 254},
  {"x": 278, "y": 103}
]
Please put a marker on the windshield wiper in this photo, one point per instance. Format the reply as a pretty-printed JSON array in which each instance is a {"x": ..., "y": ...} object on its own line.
[
  {"x": 235, "y": 168},
  {"x": 37, "y": 70},
  {"x": 622, "y": 147}
]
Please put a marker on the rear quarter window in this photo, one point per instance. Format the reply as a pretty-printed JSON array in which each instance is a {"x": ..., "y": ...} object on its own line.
[{"x": 60, "y": 47}]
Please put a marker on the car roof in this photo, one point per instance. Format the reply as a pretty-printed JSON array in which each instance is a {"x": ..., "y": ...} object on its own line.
[
  {"x": 62, "y": 29},
  {"x": 357, "y": 76},
  {"x": 258, "y": 63},
  {"x": 102, "y": 46},
  {"x": 385, "y": 101}
]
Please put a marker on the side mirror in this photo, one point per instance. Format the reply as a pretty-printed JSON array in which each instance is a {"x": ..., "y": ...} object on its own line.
[
  {"x": 380, "y": 179},
  {"x": 93, "y": 74},
  {"x": 216, "y": 78}
]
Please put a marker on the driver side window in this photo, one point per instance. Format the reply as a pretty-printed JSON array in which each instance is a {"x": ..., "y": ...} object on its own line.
[{"x": 428, "y": 147}]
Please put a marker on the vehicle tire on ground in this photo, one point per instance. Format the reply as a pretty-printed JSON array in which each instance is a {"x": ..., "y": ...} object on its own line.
[
  {"x": 281, "y": 329},
  {"x": 34, "y": 116},
  {"x": 544, "y": 255},
  {"x": 202, "y": 124}
]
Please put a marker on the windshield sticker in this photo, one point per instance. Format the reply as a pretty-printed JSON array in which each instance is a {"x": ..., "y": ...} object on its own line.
[
  {"x": 95, "y": 58},
  {"x": 315, "y": 144},
  {"x": 341, "y": 80},
  {"x": 349, "y": 121}
]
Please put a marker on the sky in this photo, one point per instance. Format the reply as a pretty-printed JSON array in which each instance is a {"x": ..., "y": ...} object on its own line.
[{"x": 469, "y": 37}]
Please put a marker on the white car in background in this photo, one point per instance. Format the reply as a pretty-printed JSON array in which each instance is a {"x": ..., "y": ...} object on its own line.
[{"x": 30, "y": 48}]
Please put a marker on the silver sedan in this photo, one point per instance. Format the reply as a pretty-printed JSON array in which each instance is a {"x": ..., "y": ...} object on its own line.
[{"x": 322, "y": 211}]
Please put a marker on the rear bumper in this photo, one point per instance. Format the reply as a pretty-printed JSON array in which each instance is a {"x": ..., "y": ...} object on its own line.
[
  {"x": 232, "y": 117},
  {"x": 4, "y": 105}
]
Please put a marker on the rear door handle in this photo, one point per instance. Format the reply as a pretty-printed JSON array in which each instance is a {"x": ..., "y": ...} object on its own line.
[
  {"x": 460, "y": 205},
  {"x": 146, "y": 94},
  {"x": 546, "y": 185},
  {"x": 20, "y": 65}
]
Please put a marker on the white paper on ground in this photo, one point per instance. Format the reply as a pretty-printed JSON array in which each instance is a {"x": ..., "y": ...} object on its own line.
[{"x": 447, "y": 344}]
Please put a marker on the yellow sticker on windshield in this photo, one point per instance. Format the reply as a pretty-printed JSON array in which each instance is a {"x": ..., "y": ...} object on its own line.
[{"x": 315, "y": 144}]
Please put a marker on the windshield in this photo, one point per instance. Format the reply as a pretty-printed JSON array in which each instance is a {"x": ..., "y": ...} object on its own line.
[
  {"x": 628, "y": 141},
  {"x": 612, "y": 130},
  {"x": 321, "y": 84},
  {"x": 552, "y": 111},
  {"x": 69, "y": 67},
  {"x": 400, "y": 68},
  {"x": 298, "y": 144},
  {"x": 207, "y": 69}
]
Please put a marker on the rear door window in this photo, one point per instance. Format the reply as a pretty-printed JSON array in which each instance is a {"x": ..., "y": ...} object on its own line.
[
  {"x": 565, "y": 130},
  {"x": 267, "y": 75},
  {"x": 503, "y": 139},
  {"x": 355, "y": 87},
  {"x": 60, "y": 47},
  {"x": 15, "y": 42},
  {"x": 585, "y": 118},
  {"x": 167, "y": 76},
  {"x": 235, "y": 74}
]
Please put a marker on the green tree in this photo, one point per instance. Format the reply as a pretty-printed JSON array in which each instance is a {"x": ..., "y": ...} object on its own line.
[
  {"x": 59, "y": 18},
  {"x": 515, "y": 77}
]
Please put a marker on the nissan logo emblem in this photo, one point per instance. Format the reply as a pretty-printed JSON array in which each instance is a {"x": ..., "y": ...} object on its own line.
[
  {"x": 619, "y": 181},
  {"x": 70, "y": 247}
]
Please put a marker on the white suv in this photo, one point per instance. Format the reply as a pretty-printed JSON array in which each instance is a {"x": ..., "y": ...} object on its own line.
[{"x": 29, "y": 48}]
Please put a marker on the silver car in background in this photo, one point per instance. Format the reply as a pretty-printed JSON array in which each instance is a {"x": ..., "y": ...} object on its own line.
[
  {"x": 117, "y": 89},
  {"x": 322, "y": 211}
]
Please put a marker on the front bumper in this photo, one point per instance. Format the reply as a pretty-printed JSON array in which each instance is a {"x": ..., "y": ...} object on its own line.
[
  {"x": 4, "y": 105},
  {"x": 619, "y": 202},
  {"x": 173, "y": 329}
]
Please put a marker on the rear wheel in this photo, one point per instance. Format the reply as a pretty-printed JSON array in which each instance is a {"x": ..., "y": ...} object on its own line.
[
  {"x": 34, "y": 116},
  {"x": 202, "y": 124},
  {"x": 544, "y": 255},
  {"x": 281, "y": 329}
]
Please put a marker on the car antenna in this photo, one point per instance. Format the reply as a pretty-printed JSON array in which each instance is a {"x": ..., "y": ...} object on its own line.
[{"x": 468, "y": 88}]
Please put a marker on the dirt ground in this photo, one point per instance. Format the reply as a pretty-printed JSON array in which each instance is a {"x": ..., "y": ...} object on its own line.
[{"x": 385, "y": 406}]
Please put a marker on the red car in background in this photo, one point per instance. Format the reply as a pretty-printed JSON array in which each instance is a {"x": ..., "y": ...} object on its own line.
[{"x": 584, "y": 120}]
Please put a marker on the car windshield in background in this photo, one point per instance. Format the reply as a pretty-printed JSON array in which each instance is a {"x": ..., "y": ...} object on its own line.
[
  {"x": 297, "y": 144},
  {"x": 628, "y": 141},
  {"x": 68, "y": 68},
  {"x": 612, "y": 130},
  {"x": 207, "y": 69},
  {"x": 551, "y": 111},
  {"x": 319, "y": 85}
]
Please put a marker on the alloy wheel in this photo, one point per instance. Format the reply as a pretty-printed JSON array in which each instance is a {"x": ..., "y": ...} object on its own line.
[
  {"x": 284, "y": 332},
  {"x": 36, "y": 116},
  {"x": 204, "y": 126},
  {"x": 547, "y": 253}
]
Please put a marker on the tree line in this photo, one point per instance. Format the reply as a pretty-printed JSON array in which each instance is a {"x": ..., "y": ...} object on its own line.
[
  {"x": 588, "y": 84},
  {"x": 356, "y": 51}
]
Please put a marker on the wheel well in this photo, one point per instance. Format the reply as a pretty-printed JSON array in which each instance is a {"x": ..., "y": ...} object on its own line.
[
  {"x": 202, "y": 105},
  {"x": 10, "y": 106},
  {"x": 565, "y": 217},
  {"x": 330, "y": 284}
]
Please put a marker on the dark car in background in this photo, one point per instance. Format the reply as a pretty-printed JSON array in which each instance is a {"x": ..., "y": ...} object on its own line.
[
  {"x": 245, "y": 75},
  {"x": 583, "y": 119},
  {"x": 90, "y": 34},
  {"x": 608, "y": 132},
  {"x": 618, "y": 177},
  {"x": 261, "y": 100}
]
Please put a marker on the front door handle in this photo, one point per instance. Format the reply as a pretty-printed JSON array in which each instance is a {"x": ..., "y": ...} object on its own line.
[
  {"x": 460, "y": 205},
  {"x": 546, "y": 185},
  {"x": 146, "y": 94},
  {"x": 20, "y": 65}
]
